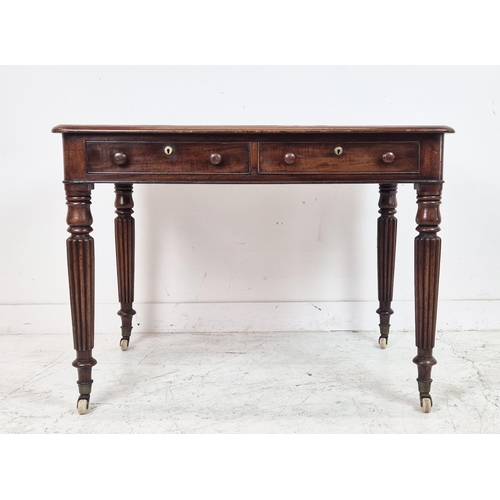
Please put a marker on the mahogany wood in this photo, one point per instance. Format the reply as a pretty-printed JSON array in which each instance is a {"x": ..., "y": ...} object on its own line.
[
  {"x": 85, "y": 164},
  {"x": 150, "y": 157},
  {"x": 80, "y": 251},
  {"x": 125, "y": 255},
  {"x": 356, "y": 157},
  {"x": 427, "y": 263},
  {"x": 386, "y": 254},
  {"x": 124, "y": 155},
  {"x": 268, "y": 129}
]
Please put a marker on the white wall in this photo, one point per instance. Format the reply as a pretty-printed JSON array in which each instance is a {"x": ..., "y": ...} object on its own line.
[{"x": 266, "y": 255}]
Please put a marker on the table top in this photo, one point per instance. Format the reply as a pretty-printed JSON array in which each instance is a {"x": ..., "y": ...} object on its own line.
[{"x": 248, "y": 129}]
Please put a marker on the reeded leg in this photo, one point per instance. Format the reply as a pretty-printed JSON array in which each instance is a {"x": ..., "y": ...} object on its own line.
[
  {"x": 427, "y": 260},
  {"x": 386, "y": 256},
  {"x": 125, "y": 248},
  {"x": 80, "y": 252}
]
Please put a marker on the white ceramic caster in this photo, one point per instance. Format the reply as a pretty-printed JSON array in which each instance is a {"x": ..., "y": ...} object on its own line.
[
  {"x": 124, "y": 344},
  {"x": 82, "y": 406},
  {"x": 426, "y": 405},
  {"x": 382, "y": 342}
]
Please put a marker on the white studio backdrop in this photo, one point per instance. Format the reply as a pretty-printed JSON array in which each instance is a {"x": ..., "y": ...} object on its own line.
[{"x": 248, "y": 258}]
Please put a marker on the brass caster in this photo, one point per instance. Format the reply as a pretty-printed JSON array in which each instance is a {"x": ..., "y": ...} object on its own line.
[
  {"x": 426, "y": 405},
  {"x": 382, "y": 342},
  {"x": 124, "y": 344},
  {"x": 82, "y": 406}
]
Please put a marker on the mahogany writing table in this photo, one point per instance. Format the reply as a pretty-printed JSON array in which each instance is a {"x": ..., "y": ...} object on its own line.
[{"x": 125, "y": 155}]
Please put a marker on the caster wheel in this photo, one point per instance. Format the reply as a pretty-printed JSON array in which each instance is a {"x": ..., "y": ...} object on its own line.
[
  {"x": 382, "y": 342},
  {"x": 82, "y": 406},
  {"x": 124, "y": 344},
  {"x": 426, "y": 405}
]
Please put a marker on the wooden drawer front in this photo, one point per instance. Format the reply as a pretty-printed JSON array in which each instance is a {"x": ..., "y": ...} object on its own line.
[
  {"x": 321, "y": 158},
  {"x": 150, "y": 157}
]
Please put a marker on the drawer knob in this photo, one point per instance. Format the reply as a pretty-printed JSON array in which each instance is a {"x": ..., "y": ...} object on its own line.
[
  {"x": 388, "y": 157},
  {"x": 120, "y": 159},
  {"x": 215, "y": 159},
  {"x": 289, "y": 158}
]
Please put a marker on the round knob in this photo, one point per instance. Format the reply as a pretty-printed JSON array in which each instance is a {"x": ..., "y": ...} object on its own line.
[
  {"x": 215, "y": 159},
  {"x": 388, "y": 157},
  {"x": 289, "y": 158},
  {"x": 120, "y": 159}
]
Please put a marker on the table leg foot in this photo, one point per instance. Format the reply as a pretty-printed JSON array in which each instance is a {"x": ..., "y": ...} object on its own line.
[
  {"x": 384, "y": 336},
  {"x": 126, "y": 314},
  {"x": 125, "y": 340},
  {"x": 82, "y": 405},
  {"x": 84, "y": 363},
  {"x": 426, "y": 404},
  {"x": 424, "y": 361},
  {"x": 424, "y": 388}
]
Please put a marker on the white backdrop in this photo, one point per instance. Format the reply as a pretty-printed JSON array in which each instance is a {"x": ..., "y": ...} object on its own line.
[{"x": 228, "y": 258}]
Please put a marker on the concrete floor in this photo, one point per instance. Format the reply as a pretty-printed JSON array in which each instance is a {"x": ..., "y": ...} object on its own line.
[{"x": 331, "y": 383}]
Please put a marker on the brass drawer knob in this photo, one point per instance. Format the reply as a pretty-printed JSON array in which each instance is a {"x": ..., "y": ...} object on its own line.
[
  {"x": 388, "y": 157},
  {"x": 289, "y": 158},
  {"x": 120, "y": 159},
  {"x": 215, "y": 159}
]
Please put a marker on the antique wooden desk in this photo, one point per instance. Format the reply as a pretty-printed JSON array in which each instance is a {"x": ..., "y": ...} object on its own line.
[{"x": 252, "y": 155}]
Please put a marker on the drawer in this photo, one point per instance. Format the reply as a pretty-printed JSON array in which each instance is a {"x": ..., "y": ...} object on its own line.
[
  {"x": 167, "y": 157},
  {"x": 339, "y": 157}
]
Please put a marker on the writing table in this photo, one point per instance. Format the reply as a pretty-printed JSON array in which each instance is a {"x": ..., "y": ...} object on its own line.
[{"x": 124, "y": 155}]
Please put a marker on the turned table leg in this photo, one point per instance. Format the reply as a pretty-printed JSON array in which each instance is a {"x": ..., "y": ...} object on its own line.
[
  {"x": 386, "y": 257},
  {"x": 125, "y": 248},
  {"x": 427, "y": 260},
  {"x": 80, "y": 252}
]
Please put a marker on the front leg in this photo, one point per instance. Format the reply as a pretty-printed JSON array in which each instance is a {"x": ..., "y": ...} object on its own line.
[
  {"x": 125, "y": 257},
  {"x": 80, "y": 252},
  {"x": 427, "y": 263}
]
